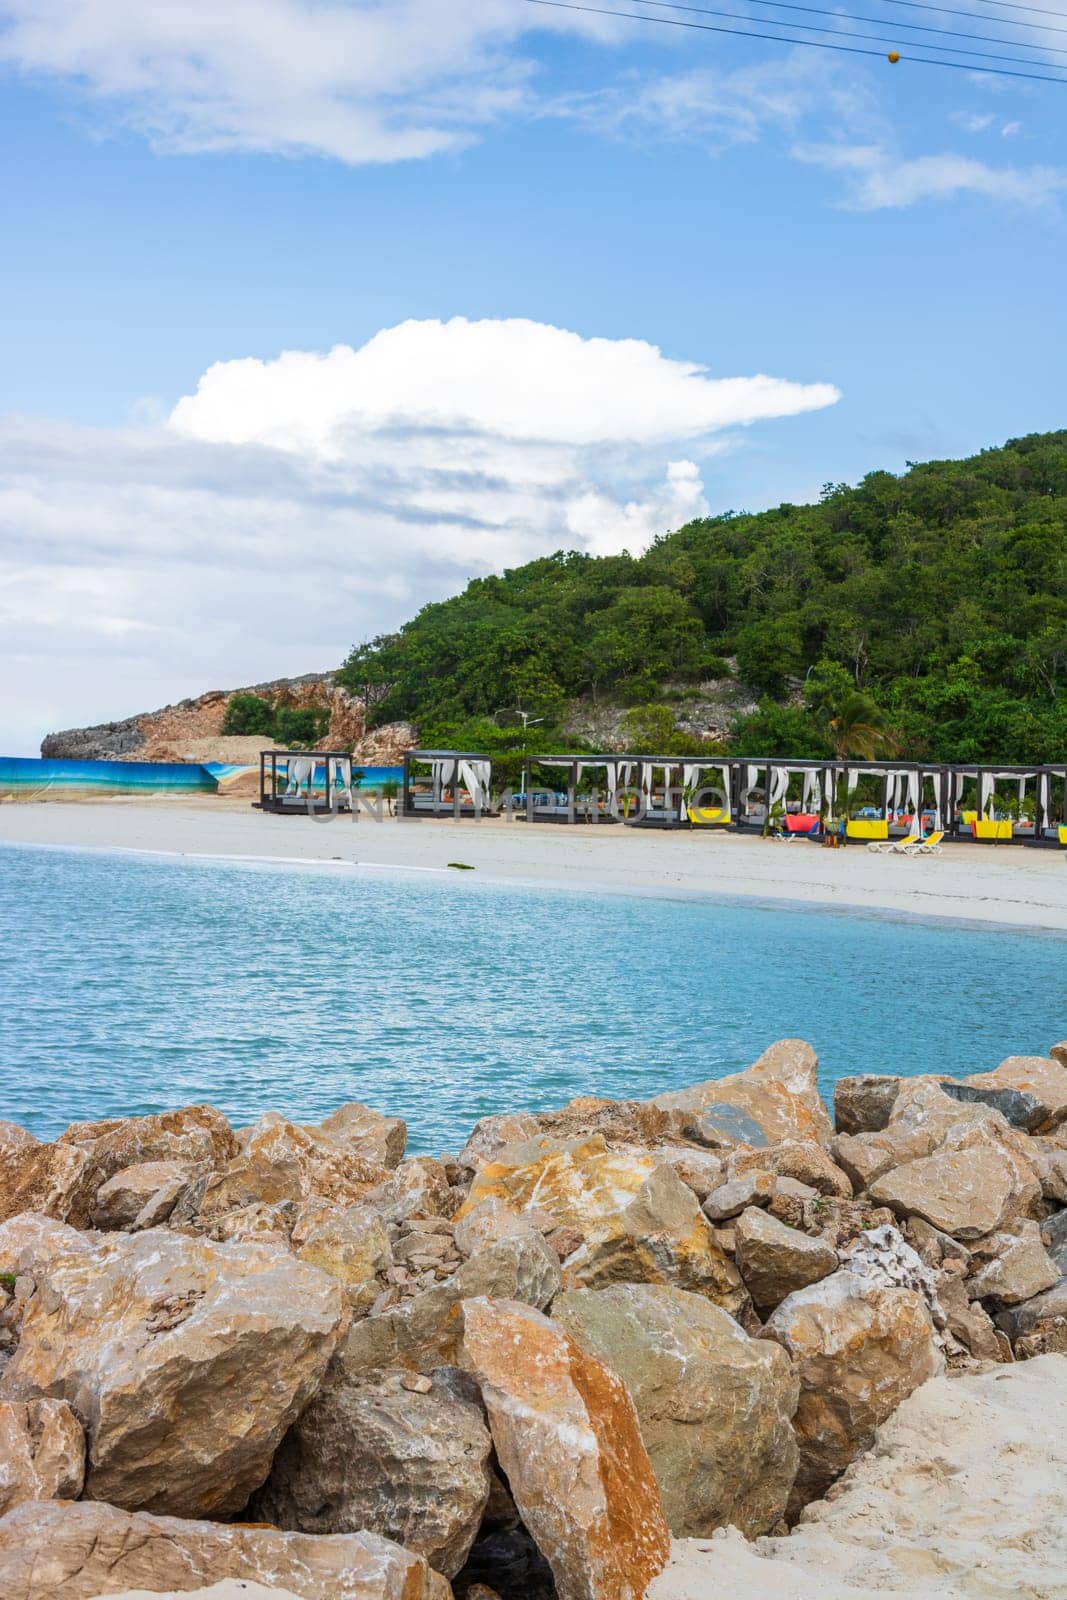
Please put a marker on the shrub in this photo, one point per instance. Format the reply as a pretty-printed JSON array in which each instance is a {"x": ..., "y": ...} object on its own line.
[{"x": 249, "y": 714}]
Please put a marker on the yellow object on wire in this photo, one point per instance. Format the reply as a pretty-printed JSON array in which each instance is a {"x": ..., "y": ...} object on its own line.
[{"x": 894, "y": 56}]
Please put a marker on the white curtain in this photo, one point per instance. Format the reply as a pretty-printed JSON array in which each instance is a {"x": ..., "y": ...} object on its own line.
[{"x": 474, "y": 777}]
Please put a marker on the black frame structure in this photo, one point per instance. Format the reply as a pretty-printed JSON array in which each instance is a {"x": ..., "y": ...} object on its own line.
[
  {"x": 287, "y": 804},
  {"x": 414, "y": 803}
]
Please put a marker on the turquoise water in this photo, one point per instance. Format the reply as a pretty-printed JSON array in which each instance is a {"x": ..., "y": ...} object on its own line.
[{"x": 130, "y": 984}]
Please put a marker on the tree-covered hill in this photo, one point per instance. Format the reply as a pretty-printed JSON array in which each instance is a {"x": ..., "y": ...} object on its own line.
[{"x": 925, "y": 613}]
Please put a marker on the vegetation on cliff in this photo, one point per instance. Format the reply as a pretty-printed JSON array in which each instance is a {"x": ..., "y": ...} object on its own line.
[{"x": 925, "y": 613}]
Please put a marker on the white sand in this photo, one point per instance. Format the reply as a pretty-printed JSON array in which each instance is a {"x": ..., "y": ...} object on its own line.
[
  {"x": 1006, "y": 884},
  {"x": 964, "y": 1497}
]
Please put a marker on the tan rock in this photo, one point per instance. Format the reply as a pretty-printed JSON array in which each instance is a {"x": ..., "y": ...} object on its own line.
[
  {"x": 639, "y": 1222},
  {"x": 228, "y": 1589},
  {"x": 860, "y": 1349},
  {"x": 121, "y": 1201},
  {"x": 731, "y": 1198},
  {"x": 54, "y": 1549},
  {"x": 42, "y": 1452},
  {"x": 799, "y": 1159},
  {"x": 365, "y": 1134},
  {"x": 53, "y": 1180},
  {"x": 714, "y": 1407},
  {"x": 966, "y": 1320},
  {"x": 1041, "y": 1080},
  {"x": 352, "y": 1246},
  {"x": 193, "y": 1134},
  {"x": 29, "y": 1241},
  {"x": 567, "y": 1437},
  {"x": 700, "y": 1170},
  {"x": 491, "y": 1219},
  {"x": 491, "y": 1134},
  {"x": 1012, "y": 1266},
  {"x": 775, "y": 1260},
  {"x": 972, "y": 1185},
  {"x": 281, "y": 1162},
  {"x": 187, "y": 1361},
  {"x": 412, "y": 1466},
  {"x": 778, "y": 1096},
  {"x": 418, "y": 1188}
]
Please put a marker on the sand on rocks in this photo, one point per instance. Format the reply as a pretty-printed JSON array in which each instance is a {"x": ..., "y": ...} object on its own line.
[{"x": 963, "y": 1497}]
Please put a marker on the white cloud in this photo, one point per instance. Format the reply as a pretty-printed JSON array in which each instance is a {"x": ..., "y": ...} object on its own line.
[
  {"x": 356, "y": 80},
  {"x": 290, "y": 508},
  {"x": 880, "y": 179}
]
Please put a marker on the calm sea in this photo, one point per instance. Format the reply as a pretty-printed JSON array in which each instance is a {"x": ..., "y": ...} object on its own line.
[{"x": 131, "y": 983}]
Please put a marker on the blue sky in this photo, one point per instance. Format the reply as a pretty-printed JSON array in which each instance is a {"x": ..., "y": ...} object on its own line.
[{"x": 189, "y": 186}]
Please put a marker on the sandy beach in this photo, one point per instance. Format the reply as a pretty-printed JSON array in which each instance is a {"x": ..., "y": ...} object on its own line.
[{"x": 1007, "y": 885}]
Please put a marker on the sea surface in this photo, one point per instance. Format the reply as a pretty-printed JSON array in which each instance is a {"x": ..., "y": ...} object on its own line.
[{"x": 133, "y": 983}]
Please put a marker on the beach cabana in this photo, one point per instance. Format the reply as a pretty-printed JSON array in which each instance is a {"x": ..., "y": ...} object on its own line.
[
  {"x": 577, "y": 788},
  {"x": 294, "y": 780},
  {"x": 446, "y": 783}
]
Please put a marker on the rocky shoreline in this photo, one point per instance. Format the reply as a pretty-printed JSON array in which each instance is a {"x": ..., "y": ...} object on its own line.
[{"x": 289, "y": 1359}]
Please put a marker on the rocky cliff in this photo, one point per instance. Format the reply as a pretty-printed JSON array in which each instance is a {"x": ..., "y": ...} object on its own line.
[{"x": 191, "y": 730}]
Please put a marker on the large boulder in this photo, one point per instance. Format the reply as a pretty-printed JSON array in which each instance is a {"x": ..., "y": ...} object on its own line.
[
  {"x": 143, "y": 1195},
  {"x": 192, "y": 1134},
  {"x": 78, "y": 1551},
  {"x": 567, "y": 1437},
  {"x": 186, "y": 1362},
  {"x": 351, "y": 1245},
  {"x": 637, "y": 1220},
  {"x": 376, "y": 1455},
  {"x": 776, "y": 1098},
  {"x": 1030, "y": 1091},
  {"x": 860, "y": 1348},
  {"x": 864, "y": 1103},
  {"x": 280, "y": 1162},
  {"x": 42, "y": 1452},
  {"x": 54, "y": 1180},
  {"x": 973, "y": 1183},
  {"x": 31, "y": 1240},
  {"x": 775, "y": 1260},
  {"x": 1012, "y": 1266},
  {"x": 715, "y": 1407},
  {"x": 1037, "y": 1326},
  {"x": 365, "y": 1133}
]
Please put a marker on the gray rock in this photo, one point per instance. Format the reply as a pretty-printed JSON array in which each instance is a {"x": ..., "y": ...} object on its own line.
[
  {"x": 730, "y": 1199},
  {"x": 775, "y": 1259},
  {"x": 1056, "y": 1228},
  {"x": 714, "y": 1407},
  {"x": 1017, "y": 1106},
  {"x": 377, "y": 1456},
  {"x": 1012, "y": 1266}
]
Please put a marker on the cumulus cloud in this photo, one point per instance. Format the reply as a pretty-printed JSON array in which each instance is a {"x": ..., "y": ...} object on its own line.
[{"x": 289, "y": 508}]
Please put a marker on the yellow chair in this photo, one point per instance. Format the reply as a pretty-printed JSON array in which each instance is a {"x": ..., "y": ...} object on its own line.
[
  {"x": 899, "y": 847},
  {"x": 1063, "y": 835},
  {"x": 867, "y": 828},
  {"x": 708, "y": 816},
  {"x": 930, "y": 846}
]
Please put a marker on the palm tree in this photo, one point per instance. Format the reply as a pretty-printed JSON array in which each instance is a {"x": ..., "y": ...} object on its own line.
[{"x": 857, "y": 727}]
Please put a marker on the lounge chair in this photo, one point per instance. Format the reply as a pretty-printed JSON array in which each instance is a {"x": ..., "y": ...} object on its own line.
[
  {"x": 897, "y": 847},
  {"x": 930, "y": 846}
]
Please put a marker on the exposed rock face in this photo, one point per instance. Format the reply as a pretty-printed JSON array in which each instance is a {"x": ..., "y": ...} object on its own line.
[
  {"x": 567, "y": 1437},
  {"x": 30, "y": 1241},
  {"x": 82, "y": 1550},
  {"x": 280, "y": 1162},
  {"x": 413, "y": 1467},
  {"x": 778, "y": 1094},
  {"x": 425, "y": 1331},
  {"x": 365, "y": 1134},
  {"x": 860, "y": 1349},
  {"x": 776, "y": 1260},
  {"x": 864, "y": 1104},
  {"x": 491, "y": 1134},
  {"x": 1033, "y": 1088},
  {"x": 351, "y": 1246},
  {"x": 121, "y": 1201},
  {"x": 42, "y": 1453},
  {"x": 638, "y": 1220},
  {"x": 192, "y": 729},
  {"x": 714, "y": 1407},
  {"x": 52, "y": 1179},
  {"x": 1012, "y": 1266},
  {"x": 186, "y": 1361},
  {"x": 194, "y": 1133},
  {"x": 971, "y": 1186}
]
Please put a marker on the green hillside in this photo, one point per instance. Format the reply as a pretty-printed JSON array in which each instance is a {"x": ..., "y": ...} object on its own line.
[{"x": 925, "y": 613}]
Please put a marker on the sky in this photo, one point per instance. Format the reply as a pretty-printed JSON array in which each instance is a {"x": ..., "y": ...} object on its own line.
[{"x": 314, "y": 309}]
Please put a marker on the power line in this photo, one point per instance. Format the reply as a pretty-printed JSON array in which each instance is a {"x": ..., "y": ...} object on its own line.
[
  {"x": 1004, "y": 22},
  {"x": 779, "y": 38},
  {"x": 878, "y": 22},
  {"x": 1035, "y": 11}
]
